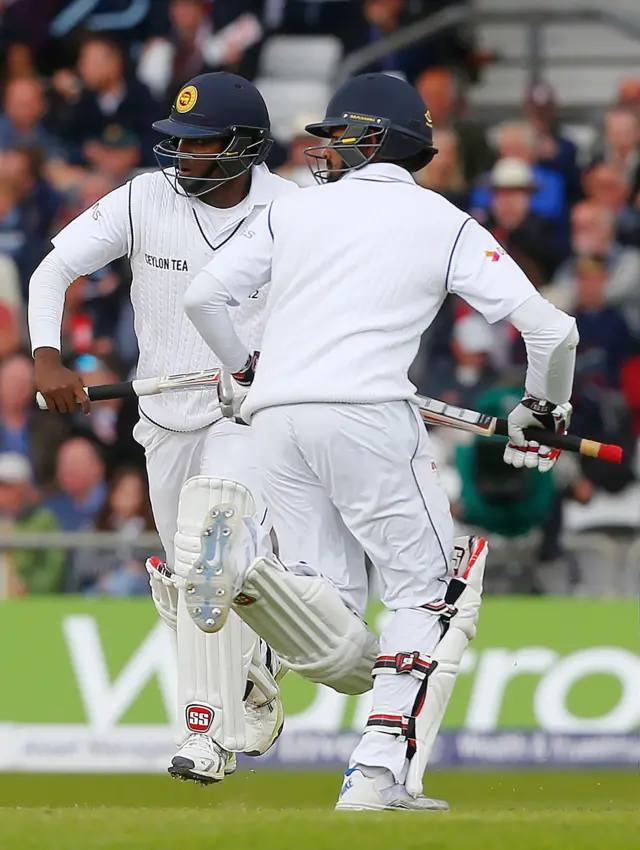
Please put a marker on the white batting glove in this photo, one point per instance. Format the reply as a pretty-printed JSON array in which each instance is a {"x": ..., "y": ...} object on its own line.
[
  {"x": 233, "y": 387},
  {"x": 535, "y": 413},
  {"x": 230, "y": 395}
]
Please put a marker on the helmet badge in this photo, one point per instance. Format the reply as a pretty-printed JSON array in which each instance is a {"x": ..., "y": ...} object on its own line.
[{"x": 186, "y": 100}]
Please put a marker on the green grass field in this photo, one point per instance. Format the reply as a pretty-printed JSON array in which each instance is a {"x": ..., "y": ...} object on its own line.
[{"x": 279, "y": 811}]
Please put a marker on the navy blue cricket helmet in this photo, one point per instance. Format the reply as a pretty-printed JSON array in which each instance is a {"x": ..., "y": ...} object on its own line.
[
  {"x": 216, "y": 105},
  {"x": 382, "y": 114}
]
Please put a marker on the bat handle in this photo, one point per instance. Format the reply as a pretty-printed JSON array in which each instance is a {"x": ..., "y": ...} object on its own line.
[
  {"x": 101, "y": 392},
  {"x": 568, "y": 442},
  {"x": 104, "y": 392}
]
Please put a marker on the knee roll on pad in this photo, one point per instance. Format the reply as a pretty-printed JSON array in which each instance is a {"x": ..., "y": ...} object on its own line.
[
  {"x": 306, "y": 622},
  {"x": 198, "y": 495}
]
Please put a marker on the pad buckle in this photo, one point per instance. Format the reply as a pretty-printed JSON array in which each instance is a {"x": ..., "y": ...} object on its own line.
[{"x": 404, "y": 662}]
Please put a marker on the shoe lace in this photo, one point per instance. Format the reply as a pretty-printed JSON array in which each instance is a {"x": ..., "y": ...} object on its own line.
[{"x": 204, "y": 742}]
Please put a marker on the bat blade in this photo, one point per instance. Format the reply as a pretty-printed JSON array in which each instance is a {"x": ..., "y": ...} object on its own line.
[{"x": 437, "y": 412}]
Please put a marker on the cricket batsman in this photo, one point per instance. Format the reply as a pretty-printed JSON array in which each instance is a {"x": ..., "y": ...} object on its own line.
[
  {"x": 171, "y": 223},
  {"x": 359, "y": 268}
]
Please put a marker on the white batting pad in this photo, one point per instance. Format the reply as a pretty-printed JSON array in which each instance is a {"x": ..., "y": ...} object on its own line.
[
  {"x": 448, "y": 653},
  {"x": 198, "y": 495},
  {"x": 303, "y": 618},
  {"x": 164, "y": 593},
  {"x": 212, "y": 668}
]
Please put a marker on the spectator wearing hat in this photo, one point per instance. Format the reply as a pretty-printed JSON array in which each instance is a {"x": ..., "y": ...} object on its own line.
[
  {"x": 518, "y": 140},
  {"x": 31, "y": 571},
  {"x": 528, "y": 237},
  {"x": 116, "y": 153},
  {"x": 554, "y": 151}
]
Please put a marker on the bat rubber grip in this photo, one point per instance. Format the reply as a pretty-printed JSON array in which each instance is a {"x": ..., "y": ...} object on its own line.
[
  {"x": 568, "y": 442},
  {"x": 104, "y": 392},
  {"x": 543, "y": 436},
  {"x": 555, "y": 441}
]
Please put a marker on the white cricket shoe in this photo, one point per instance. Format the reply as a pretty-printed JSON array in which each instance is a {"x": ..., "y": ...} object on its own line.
[
  {"x": 228, "y": 548},
  {"x": 263, "y": 707},
  {"x": 375, "y": 790},
  {"x": 202, "y": 760}
]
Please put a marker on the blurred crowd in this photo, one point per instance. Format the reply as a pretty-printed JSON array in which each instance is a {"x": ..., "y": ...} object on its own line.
[{"x": 80, "y": 85}]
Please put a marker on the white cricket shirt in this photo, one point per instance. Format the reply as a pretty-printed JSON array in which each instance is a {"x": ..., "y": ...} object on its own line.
[
  {"x": 358, "y": 270},
  {"x": 168, "y": 239}
]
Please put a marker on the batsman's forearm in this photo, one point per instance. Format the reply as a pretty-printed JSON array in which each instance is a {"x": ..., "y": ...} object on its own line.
[
  {"x": 47, "y": 289},
  {"x": 551, "y": 338},
  {"x": 206, "y": 305}
]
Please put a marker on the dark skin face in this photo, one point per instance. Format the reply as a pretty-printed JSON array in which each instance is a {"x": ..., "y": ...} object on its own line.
[
  {"x": 226, "y": 195},
  {"x": 334, "y": 160}
]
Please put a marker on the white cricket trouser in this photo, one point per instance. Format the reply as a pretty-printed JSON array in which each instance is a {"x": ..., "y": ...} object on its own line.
[
  {"x": 224, "y": 450},
  {"x": 336, "y": 474}
]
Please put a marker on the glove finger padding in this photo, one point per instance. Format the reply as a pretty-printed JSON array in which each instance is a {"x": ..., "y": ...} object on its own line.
[{"x": 535, "y": 413}]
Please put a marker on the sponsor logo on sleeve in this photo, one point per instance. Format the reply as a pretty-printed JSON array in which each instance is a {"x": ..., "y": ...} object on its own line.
[{"x": 495, "y": 255}]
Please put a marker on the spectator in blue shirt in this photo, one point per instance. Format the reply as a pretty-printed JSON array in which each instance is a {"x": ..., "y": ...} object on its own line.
[
  {"x": 518, "y": 140},
  {"x": 16, "y": 399},
  {"x": 555, "y": 151},
  {"x": 12, "y": 232},
  {"x": 21, "y": 123},
  {"x": 24, "y": 429},
  {"x": 37, "y": 206},
  {"x": 605, "y": 341},
  {"x": 80, "y": 476}
]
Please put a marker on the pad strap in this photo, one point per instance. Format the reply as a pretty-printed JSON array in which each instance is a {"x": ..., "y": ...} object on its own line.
[
  {"x": 401, "y": 725},
  {"x": 404, "y": 662},
  {"x": 390, "y": 724}
]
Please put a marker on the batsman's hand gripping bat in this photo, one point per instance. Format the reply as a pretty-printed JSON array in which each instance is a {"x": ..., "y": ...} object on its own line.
[
  {"x": 148, "y": 386},
  {"x": 436, "y": 412}
]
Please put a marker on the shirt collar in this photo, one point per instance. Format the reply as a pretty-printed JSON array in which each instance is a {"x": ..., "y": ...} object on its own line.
[
  {"x": 265, "y": 186},
  {"x": 381, "y": 172},
  {"x": 262, "y": 190}
]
